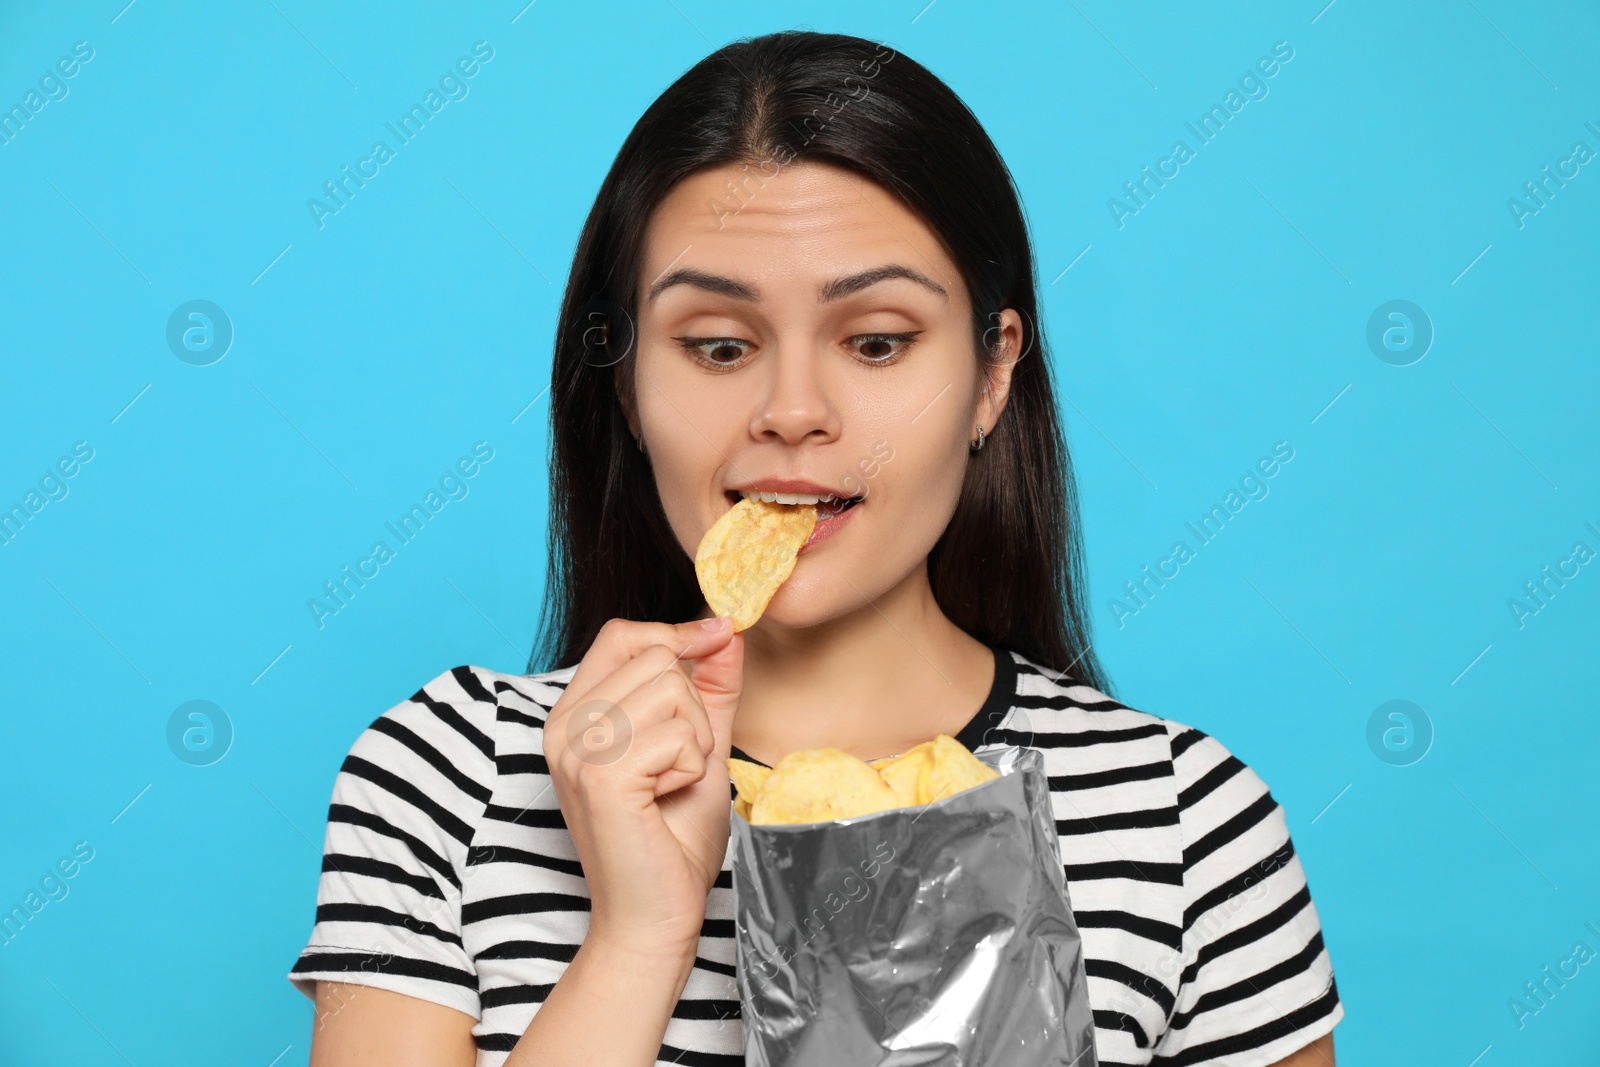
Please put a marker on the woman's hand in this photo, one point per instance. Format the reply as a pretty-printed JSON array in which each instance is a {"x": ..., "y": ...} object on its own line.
[{"x": 638, "y": 753}]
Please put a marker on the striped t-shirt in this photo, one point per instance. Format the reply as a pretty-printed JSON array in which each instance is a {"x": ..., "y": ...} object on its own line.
[{"x": 448, "y": 874}]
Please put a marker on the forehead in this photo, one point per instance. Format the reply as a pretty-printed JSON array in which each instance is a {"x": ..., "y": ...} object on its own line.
[{"x": 809, "y": 224}]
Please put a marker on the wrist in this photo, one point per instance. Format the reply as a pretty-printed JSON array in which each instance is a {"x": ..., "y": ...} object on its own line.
[{"x": 606, "y": 950}]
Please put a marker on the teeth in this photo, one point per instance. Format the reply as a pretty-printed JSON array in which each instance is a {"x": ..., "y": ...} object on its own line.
[{"x": 789, "y": 498}]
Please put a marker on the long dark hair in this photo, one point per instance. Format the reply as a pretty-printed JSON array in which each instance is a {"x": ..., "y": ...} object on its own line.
[{"x": 1008, "y": 568}]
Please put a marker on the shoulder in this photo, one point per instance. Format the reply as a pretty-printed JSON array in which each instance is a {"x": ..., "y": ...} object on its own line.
[
  {"x": 465, "y": 704},
  {"x": 526, "y": 698},
  {"x": 439, "y": 750},
  {"x": 1058, "y": 708},
  {"x": 1151, "y": 760}
]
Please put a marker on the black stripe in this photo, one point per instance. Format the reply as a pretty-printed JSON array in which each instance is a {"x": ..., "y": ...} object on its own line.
[
  {"x": 1301, "y": 1017},
  {"x": 448, "y": 714},
  {"x": 703, "y": 964},
  {"x": 1187, "y": 740},
  {"x": 722, "y": 928},
  {"x": 433, "y": 757},
  {"x": 1064, "y": 702},
  {"x": 1242, "y": 882},
  {"x": 1245, "y": 935},
  {"x": 698, "y": 1059},
  {"x": 1230, "y": 831},
  {"x": 399, "y": 787},
  {"x": 529, "y": 950},
  {"x": 1085, "y": 738},
  {"x": 1245, "y": 988},
  {"x": 1152, "y": 988},
  {"x": 339, "y": 912},
  {"x": 539, "y": 818},
  {"x": 477, "y": 911},
  {"x": 1141, "y": 871},
  {"x": 707, "y": 1009},
  {"x": 1116, "y": 1020},
  {"x": 313, "y": 962},
  {"x": 472, "y": 685},
  {"x": 520, "y": 718},
  {"x": 522, "y": 763},
  {"x": 503, "y": 686},
  {"x": 377, "y": 824},
  {"x": 339, "y": 862},
  {"x": 1142, "y": 772},
  {"x": 1209, "y": 782},
  {"x": 1149, "y": 929},
  {"x": 500, "y": 996},
  {"x": 480, "y": 854},
  {"x": 1142, "y": 819}
]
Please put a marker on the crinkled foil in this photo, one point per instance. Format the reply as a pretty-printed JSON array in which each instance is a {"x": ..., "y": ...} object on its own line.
[{"x": 933, "y": 935}]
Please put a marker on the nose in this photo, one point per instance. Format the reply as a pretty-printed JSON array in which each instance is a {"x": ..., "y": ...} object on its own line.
[{"x": 795, "y": 406}]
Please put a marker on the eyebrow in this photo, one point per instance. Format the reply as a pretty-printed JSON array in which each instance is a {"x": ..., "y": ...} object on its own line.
[{"x": 837, "y": 289}]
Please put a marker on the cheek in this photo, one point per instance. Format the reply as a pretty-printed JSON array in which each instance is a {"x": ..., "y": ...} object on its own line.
[
  {"x": 685, "y": 499},
  {"x": 911, "y": 476}
]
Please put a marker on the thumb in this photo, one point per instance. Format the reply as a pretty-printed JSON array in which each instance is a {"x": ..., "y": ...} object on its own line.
[{"x": 719, "y": 677}]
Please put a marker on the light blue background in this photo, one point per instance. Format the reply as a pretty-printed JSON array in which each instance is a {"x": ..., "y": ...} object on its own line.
[{"x": 1228, "y": 314}]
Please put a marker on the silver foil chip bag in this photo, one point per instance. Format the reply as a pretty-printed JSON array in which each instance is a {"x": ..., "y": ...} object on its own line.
[{"x": 939, "y": 935}]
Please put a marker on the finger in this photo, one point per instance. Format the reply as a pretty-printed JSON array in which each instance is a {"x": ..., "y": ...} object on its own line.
[
  {"x": 718, "y": 678},
  {"x": 620, "y": 640},
  {"x": 651, "y": 687},
  {"x": 675, "y": 693},
  {"x": 668, "y": 753}
]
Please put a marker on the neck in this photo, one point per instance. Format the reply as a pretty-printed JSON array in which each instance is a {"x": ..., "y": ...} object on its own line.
[{"x": 873, "y": 682}]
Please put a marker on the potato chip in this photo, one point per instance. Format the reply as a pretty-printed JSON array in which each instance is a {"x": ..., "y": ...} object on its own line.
[
  {"x": 907, "y": 774},
  {"x": 747, "y": 778},
  {"x": 953, "y": 769},
  {"x": 819, "y": 784},
  {"x": 748, "y": 553}
]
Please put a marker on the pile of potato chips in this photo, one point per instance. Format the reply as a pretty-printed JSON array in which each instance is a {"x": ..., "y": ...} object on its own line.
[
  {"x": 819, "y": 784},
  {"x": 748, "y": 553}
]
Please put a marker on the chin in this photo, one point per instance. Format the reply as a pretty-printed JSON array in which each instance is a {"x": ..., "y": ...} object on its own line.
[{"x": 793, "y": 608}]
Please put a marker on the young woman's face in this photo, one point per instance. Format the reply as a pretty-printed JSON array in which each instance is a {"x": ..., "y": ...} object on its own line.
[{"x": 776, "y": 343}]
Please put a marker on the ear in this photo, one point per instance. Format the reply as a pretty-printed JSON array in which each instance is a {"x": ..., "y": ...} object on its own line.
[{"x": 1004, "y": 340}]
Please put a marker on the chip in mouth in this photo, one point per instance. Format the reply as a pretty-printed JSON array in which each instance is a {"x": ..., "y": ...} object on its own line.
[{"x": 748, "y": 553}]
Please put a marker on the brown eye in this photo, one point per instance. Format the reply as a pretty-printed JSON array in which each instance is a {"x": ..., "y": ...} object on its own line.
[
  {"x": 882, "y": 349},
  {"x": 713, "y": 351}
]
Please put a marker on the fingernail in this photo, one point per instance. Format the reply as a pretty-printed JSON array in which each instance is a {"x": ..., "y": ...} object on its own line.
[{"x": 712, "y": 624}]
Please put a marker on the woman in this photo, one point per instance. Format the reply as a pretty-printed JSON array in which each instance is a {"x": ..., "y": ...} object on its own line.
[{"x": 806, "y": 273}]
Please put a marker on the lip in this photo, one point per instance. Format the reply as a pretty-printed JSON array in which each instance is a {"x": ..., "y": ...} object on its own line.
[{"x": 828, "y": 526}]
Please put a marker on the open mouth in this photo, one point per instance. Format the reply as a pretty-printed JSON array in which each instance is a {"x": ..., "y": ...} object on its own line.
[{"x": 826, "y": 507}]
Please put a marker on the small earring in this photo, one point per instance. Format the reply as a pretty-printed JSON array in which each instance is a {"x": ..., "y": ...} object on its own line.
[
  {"x": 979, "y": 445},
  {"x": 640, "y": 439}
]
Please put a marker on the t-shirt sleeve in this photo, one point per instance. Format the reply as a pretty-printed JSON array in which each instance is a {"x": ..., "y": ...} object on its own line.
[
  {"x": 405, "y": 803},
  {"x": 1257, "y": 982}
]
